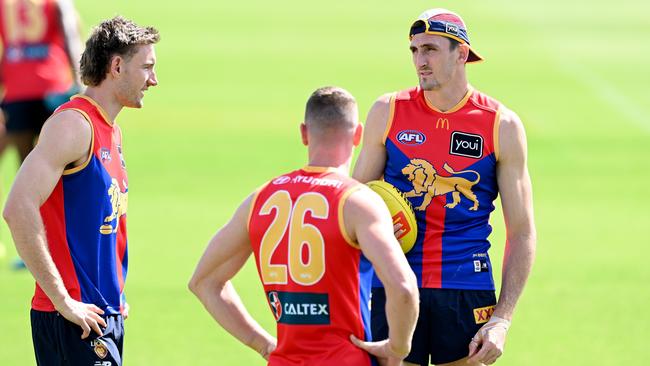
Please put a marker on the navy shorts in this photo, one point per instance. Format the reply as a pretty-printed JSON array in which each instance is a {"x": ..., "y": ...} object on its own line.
[
  {"x": 30, "y": 115},
  {"x": 448, "y": 321},
  {"x": 26, "y": 116},
  {"x": 57, "y": 341}
]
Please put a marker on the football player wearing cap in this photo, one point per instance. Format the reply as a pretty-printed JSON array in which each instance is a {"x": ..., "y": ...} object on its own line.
[
  {"x": 309, "y": 231},
  {"x": 452, "y": 149}
]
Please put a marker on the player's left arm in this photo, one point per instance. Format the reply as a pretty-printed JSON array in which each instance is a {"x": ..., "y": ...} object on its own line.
[
  {"x": 515, "y": 190},
  {"x": 69, "y": 21},
  {"x": 225, "y": 255}
]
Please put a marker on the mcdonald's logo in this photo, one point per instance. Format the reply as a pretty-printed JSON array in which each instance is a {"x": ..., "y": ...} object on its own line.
[{"x": 442, "y": 123}]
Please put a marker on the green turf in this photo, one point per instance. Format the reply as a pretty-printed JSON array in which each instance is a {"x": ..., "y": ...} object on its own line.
[{"x": 233, "y": 81}]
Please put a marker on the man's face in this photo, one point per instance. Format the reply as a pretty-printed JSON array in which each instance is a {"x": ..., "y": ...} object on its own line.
[
  {"x": 434, "y": 63},
  {"x": 138, "y": 76}
]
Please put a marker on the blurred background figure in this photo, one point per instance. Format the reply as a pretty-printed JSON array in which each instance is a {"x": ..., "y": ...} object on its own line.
[{"x": 40, "y": 49}]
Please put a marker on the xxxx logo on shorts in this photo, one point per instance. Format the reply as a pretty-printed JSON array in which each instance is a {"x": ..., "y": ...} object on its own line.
[{"x": 482, "y": 315}]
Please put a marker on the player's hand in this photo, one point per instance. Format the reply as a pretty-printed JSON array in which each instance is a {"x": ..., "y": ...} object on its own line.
[
  {"x": 87, "y": 316},
  {"x": 397, "y": 229},
  {"x": 487, "y": 345},
  {"x": 382, "y": 350},
  {"x": 125, "y": 310}
]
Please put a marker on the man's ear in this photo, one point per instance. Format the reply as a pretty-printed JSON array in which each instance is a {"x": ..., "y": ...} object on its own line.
[
  {"x": 358, "y": 134},
  {"x": 303, "y": 134},
  {"x": 463, "y": 53},
  {"x": 116, "y": 66}
]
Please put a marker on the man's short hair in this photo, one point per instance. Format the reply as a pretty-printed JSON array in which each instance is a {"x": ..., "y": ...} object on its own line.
[
  {"x": 331, "y": 108},
  {"x": 453, "y": 44},
  {"x": 117, "y": 36}
]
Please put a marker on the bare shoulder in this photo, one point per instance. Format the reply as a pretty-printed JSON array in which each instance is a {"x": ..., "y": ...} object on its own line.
[
  {"x": 379, "y": 113},
  {"x": 509, "y": 122},
  {"x": 69, "y": 123},
  {"x": 512, "y": 135},
  {"x": 364, "y": 205},
  {"x": 66, "y": 135}
]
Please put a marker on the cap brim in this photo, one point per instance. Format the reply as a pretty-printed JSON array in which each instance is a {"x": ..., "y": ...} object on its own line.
[{"x": 474, "y": 56}]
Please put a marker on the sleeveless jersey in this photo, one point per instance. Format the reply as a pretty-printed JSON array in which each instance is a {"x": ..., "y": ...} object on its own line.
[
  {"x": 85, "y": 218},
  {"x": 316, "y": 281},
  {"x": 445, "y": 163},
  {"x": 34, "y": 61}
]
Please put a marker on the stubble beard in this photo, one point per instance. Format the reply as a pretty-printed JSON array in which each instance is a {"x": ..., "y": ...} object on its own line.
[{"x": 429, "y": 85}]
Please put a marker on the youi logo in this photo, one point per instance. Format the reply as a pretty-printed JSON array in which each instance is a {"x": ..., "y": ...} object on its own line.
[{"x": 411, "y": 137}]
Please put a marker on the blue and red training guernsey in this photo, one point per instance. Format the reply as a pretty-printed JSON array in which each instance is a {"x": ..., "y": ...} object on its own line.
[
  {"x": 85, "y": 218},
  {"x": 34, "y": 60},
  {"x": 316, "y": 282},
  {"x": 445, "y": 163}
]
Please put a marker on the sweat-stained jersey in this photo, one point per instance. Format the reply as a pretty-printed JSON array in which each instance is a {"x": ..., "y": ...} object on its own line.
[
  {"x": 316, "y": 282},
  {"x": 85, "y": 218},
  {"x": 445, "y": 163},
  {"x": 34, "y": 61}
]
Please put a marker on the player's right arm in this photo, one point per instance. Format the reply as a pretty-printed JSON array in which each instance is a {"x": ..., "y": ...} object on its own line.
[
  {"x": 225, "y": 255},
  {"x": 368, "y": 222},
  {"x": 372, "y": 158},
  {"x": 64, "y": 141},
  {"x": 69, "y": 21}
]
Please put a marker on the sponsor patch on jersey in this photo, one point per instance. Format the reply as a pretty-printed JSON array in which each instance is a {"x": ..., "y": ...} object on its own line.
[
  {"x": 481, "y": 262},
  {"x": 325, "y": 182},
  {"x": 480, "y": 265},
  {"x": 281, "y": 180},
  {"x": 411, "y": 137},
  {"x": 466, "y": 144},
  {"x": 482, "y": 315},
  {"x": 299, "y": 307}
]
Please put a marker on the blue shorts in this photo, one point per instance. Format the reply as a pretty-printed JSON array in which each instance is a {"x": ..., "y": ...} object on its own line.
[
  {"x": 448, "y": 321},
  {"x": 57, "y": 341}
]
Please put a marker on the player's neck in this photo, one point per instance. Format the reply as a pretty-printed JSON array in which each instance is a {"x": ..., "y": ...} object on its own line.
[
  {"x": 105, "y": 100},
  {"x": 449, "y": 96},
  {"x": 330, "y": 158}
]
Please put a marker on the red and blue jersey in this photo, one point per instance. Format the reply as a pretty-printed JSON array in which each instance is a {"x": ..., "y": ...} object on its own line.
[
  {"x": 315, "y": 279},
  {"x": 85, "y": 218},
  {"x": 34, "y": 61},
  {"x": 445, "y": 163}
]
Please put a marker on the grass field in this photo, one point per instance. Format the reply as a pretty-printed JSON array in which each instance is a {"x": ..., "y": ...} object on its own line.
[{"x": 233, "y": 81}]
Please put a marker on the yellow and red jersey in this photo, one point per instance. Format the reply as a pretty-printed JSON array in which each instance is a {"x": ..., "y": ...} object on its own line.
[
  {"x": 85, "y": 218},
  {"x": 315, "y": 279},
  {"x": 34, "y": 61},
  {"x": 445, "y": 163}
]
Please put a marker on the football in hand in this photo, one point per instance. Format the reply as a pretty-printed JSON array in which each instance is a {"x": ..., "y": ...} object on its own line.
[{"x": 401, "y": 211}]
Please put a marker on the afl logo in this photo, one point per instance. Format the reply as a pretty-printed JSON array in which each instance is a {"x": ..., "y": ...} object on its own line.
[
  {"x": 411, "y": 137},
  {"x": 276, "y": 305},
  {"x": 281, "y": 180}
]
